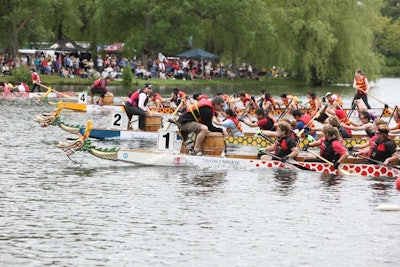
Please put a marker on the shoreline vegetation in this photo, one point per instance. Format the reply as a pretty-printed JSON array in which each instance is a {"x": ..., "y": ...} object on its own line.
[{"x": 240, "y": 82}]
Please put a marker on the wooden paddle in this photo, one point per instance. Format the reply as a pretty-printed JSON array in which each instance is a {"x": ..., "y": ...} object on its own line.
[
  {"x": 291, "y": 163},
  {"x": 49, "y": 88},
  {"x": 283, "y": 114},
  {"x": 166, "y": 127},
  {"x": 330, "y": 163}
]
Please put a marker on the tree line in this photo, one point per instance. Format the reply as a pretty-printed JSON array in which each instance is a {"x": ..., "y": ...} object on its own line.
[{"x": 317, "y": 41}]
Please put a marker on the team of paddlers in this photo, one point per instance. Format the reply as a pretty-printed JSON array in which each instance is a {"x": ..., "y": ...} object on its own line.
[{"x": 199, "y": 114}]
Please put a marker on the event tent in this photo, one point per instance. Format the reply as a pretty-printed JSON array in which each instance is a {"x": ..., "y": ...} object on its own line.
[
  {"x": 197, "y": 53},
  {"x": 66, "y": 44}
]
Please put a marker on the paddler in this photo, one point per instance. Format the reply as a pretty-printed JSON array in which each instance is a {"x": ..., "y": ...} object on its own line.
[
  {"x": 331, "y": 147},
  {"x": 285, "y": 145},
  {"x": 383, "y": 149},
  {"x": 198, "y": 119}
]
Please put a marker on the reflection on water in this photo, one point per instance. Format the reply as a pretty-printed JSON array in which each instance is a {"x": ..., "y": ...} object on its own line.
[
  {"x": 285, "y": 179},
  {"x": 331, "y": 179}
]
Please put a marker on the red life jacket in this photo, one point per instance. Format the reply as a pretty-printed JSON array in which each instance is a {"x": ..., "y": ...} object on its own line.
[
  {"x": 97, "y": 82},
  {"x": 25, "y": 86},
  {"x": 195, "y": 107},
  {"x": 134, "y": 98},
  {"x": 246, "y": 98},
  {"x": 306, "y": 119}
]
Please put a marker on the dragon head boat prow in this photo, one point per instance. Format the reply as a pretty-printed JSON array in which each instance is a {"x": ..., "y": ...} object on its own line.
[
  {"x": 83, "y": 143},
  {"x": 51, "y": 118}
]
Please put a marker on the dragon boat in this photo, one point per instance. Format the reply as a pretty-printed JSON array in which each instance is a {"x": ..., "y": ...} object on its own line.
[
  {"x": 40, "y": 96},
  {"x": 84, "y": 107},
  {"x": 167, "y": 155},
  {"x": 155, "y": 123}
]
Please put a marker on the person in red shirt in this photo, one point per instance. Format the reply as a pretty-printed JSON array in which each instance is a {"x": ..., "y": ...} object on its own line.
[{"x": 35, "y": 80}]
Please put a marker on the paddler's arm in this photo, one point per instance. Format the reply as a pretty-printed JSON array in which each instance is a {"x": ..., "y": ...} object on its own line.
[{"x": 393, "y": 160}]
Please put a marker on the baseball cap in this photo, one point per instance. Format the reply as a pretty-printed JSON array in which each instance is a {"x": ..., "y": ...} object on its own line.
[
  {"x": 328, "y": 94},
  {"x": 148, "y": 85}
]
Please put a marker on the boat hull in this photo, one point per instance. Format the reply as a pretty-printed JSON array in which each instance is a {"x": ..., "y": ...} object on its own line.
[
  {"x": 142, "y": 157},
  {"x": 35, "y": 95}
]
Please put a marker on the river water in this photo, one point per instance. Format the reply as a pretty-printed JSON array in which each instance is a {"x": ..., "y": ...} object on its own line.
[{"x": 55, "y": 212}]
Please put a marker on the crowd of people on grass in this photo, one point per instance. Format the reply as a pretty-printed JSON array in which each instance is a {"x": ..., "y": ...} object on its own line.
[
  {"x": 200, "y": 114},
  {"x": 72, "y": 65}
]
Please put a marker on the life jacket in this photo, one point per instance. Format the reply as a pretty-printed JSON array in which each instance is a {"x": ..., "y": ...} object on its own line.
[
  {"x": 194, "y": 109},
  {"x": 245, "y": 99},
  {"x": 281, "y": 146},
  {"x": 237, "y": 124},
  {"x": 327, "y": 151},
  {"x": 25, "y": 86},
  {"x": 35, "y": 77},
  {"x": 270, "y": 125},
  {"x": 312, "y": 103},
  {"x": 179, "y": 97},
  {"x": 271, "y": 100},
  {"x": 200, "y": 97},
  {"x": 97, "y": 82},
  {"x": 378, "y": 150},
  {"x": 158, "y": 96},
  {"x": 134, "y": 98},
  {"x": 360, "y": 82},
  {"x": 305, "y": 118}
]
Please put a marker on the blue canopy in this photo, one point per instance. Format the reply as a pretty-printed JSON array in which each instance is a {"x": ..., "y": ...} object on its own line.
[{"x": 197, "y": 53}]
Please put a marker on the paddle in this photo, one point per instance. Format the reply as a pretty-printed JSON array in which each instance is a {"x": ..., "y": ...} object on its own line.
[
  {"x": 166, "y": 127},
  {"x": 267, "y": 137},
  {"x": 391, "y": 116},
  {"x": 283, "y": 114},
  {"x": 377, "y": 162},
  {"x": 291, "y": 163},
  {"x": 246, "y": 110},
  {"x": 330, "y": 163},
  {"x": 49, "y": 88}
]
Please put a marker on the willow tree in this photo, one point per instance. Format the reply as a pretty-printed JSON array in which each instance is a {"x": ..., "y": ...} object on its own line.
[
  {"x": 325, "y": 41},
  {"x": 146, "y": 26},
  {"x": 20, "y": 20}
]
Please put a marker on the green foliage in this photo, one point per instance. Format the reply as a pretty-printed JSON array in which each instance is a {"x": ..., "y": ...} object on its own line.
[
  {"x": 127, "y": 77},
  {"x": 317, "y": 41},
  {"x": 21, "y": 74}
]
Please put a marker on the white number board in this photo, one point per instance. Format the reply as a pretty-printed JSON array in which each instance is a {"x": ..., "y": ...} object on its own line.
[
  {"x": 82, "y": 98},
  {"x": 166, "y": 140},
  {"x": 119, "y": 120}
]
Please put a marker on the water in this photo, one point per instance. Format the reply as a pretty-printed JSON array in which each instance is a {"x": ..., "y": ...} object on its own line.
[{"x": 103, "y": 213}]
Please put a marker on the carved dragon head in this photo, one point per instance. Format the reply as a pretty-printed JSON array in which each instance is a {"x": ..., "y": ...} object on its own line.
[
  {"x": 82, "y": 143},
  {"x": 51, "y": 118}
]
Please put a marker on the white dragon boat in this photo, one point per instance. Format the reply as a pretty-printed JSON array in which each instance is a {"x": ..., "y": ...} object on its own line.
[{"x": 167, "y": 155}]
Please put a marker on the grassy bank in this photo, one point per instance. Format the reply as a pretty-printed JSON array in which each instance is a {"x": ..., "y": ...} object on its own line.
[{"x": 265, "y": 81}]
